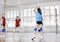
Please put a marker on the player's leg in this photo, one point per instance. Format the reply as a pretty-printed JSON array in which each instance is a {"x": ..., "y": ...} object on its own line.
[
  {"x": 35, "y": 30},
  {"x": 15, "y": 28},
  {"x": 41, "y": 33},
  {"x": 18, "y": 28},
  {"x": 3, "y": 30},
  {"x": 14, "y": 31}
]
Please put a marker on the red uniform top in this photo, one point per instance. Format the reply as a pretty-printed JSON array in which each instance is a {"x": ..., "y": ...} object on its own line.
[
  {"x": 3, "y": 20},
  {"x": 17, "y": 22}
]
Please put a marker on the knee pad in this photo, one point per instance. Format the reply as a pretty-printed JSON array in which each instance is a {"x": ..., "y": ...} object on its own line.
[
  {"x": 35, "y": 29},
  {"x": 3, "y": 30},
  {"x": 40, "y": 30}
]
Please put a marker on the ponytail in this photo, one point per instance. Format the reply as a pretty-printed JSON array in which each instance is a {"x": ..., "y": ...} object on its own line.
[{"x": 39, "y": 10}]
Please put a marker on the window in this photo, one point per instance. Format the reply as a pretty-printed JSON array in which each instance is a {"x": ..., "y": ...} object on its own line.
[
  {"x": 47, "y": 21},
  {"x": 11, "y": 15},
  {"x": 29, "y": 12},
  {"x": 57, "y": 7},
  {"x": 52, "y": 21},
  {"x": 47, "y": 10},
  {"x": 52, "y": 10},
  {"x": 28, "y": 17},
  {"x": 58, "y": 20},
  {"x": 25, "y": 12},
  {"x": 33, "y": 14}
]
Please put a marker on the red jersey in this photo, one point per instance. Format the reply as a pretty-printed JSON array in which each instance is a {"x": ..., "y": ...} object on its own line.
[
  {"x": 17, "y": 22},
  {"x": 3, "y": 20}
]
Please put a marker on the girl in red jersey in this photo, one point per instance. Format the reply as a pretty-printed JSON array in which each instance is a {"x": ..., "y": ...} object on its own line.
[
  {"x": 17, "y": 23},
  {"x": 3, "y": 23}
]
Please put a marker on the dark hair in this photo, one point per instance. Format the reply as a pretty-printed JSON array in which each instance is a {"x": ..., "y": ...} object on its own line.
[{"x": 39, "y": 10}]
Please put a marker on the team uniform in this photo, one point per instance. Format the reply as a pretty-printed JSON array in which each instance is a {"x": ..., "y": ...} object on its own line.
[
  {"x": 17, "y": 24},
  {"x": 3, "y": 21},
  {"x": 38, "y": 21},
  {"x": 38, "y": 18},
  {"x": 3, "y": 24}
]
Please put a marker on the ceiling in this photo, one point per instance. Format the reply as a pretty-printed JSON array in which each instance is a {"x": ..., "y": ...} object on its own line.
[
  {"x": 8, "y": 4},
  {"x": 25, "y": 2},
  {"x": 16, "y": 3}
]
